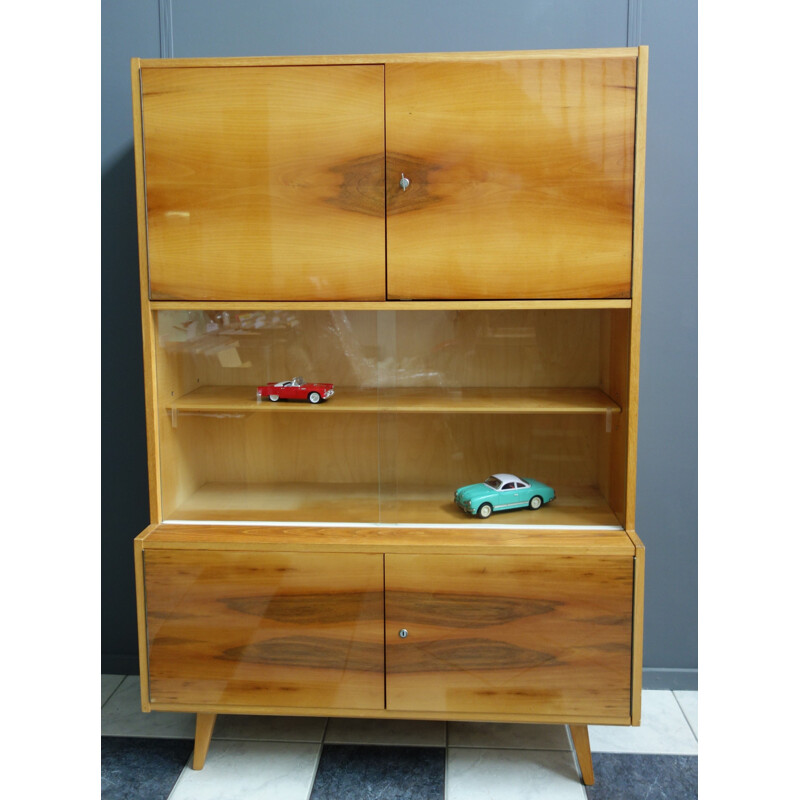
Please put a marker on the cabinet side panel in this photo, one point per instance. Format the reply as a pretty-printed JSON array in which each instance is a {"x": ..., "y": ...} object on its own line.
[
  {"x": 638, "y": 630},
  {"x": 141, "y": 619},
  {"x": 181, "y": 471},
  {"x": 521, "y": 178},
  {"x": 265, "y": 629},
  {"x": 148, "y": 336},
  {"x": 636, "y": 295},
  {"x": 616, "y": 384},
  {"x": 265, "y": 183},
  {"x": 536, "y": 635}
]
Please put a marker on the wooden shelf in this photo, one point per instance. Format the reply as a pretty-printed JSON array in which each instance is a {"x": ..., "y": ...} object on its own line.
[
  {"x": 369, "y": 504},
  {"x": 416, "y": 400}
]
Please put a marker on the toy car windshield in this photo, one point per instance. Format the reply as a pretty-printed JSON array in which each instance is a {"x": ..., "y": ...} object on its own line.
[{"x": 493, "y": 482}]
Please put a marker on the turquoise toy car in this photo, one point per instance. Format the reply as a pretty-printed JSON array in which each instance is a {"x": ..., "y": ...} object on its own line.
[{"x": 502, "y": 492}]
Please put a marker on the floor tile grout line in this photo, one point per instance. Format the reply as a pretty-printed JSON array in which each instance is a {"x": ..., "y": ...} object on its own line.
[
  {"x": 285, "y": 740},
  {"x": 573, "y": 751},
  {"x": 508, "y": 747},
  {"x": 178, "y": 779},
  {"x": 446, "y": 757},
  {"x": 113, "y": 691},
  {"x": 680, "y": 706},
  {"x": 316, "y": 765},
  {"x": 411, "y": 745}
]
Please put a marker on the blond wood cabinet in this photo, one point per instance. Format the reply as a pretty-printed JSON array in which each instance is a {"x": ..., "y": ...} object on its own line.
[{"x": 481, "y": 317}]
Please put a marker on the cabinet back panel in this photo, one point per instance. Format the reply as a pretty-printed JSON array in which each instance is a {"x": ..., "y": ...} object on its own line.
[
  {"x": 457, "y": 449},
  {"x": 265, "y": 182},
  {"x": 387, "y": 348},
  {"x": 521, "y": 178}
]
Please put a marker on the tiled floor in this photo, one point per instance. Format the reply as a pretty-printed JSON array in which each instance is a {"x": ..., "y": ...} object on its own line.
[{"x": 146, "y": 756}]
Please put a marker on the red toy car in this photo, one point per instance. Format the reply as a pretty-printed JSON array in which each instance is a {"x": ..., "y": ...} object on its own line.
[{"x": 295, "y": 389}]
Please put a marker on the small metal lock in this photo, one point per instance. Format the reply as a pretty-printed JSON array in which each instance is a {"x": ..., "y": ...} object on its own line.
[
  {"x": 404, "y": 182},
  {"x": 403, "y": 633}
]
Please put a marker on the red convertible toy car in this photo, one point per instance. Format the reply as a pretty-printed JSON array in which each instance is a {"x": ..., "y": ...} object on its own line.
[{"x": 295, "y": 389}]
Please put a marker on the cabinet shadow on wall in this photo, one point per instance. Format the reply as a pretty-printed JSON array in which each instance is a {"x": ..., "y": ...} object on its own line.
[{"x": 124, "y": 489}]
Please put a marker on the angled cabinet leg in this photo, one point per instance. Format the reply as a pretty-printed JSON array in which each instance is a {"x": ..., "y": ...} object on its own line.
[
  {"x": 202, "y": 738},
  {"x": 580, "y": 739}
]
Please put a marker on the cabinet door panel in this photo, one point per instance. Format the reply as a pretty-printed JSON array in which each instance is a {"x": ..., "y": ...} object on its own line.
[
  {"x": 265, "y": 183},
  {"x": 521, "y": 178},
  {"x": 537, "y": 635},
  {"x": 271, "y": 629}
]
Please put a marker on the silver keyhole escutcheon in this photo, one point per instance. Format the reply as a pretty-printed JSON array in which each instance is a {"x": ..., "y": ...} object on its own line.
[
  {"x": 403, "y": 633},
  {"x": 404, "y": 182}
]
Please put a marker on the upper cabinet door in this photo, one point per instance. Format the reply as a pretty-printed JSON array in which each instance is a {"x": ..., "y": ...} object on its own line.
[
  {"x": 265, "y": 183},
  {"x": 520, "y": 178}
]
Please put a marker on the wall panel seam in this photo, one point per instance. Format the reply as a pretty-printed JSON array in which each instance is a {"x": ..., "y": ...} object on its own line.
[{"x": 165, "y": 28}]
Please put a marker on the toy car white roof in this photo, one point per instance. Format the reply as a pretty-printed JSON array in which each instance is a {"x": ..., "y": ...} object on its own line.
[{"x": 504, "y": 477}]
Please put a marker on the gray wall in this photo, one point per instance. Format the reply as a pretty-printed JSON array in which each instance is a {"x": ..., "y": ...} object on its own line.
[{"x": 667, "y": 481}]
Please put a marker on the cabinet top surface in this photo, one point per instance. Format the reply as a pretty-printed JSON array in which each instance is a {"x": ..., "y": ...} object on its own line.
[
  {"x": 388, "y": 539},
  {"x": 386, "y": 58}
]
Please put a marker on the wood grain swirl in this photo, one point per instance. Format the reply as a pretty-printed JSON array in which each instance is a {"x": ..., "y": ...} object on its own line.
[
  {"x": 237, "y": 628},
  {"x": 472, "y": 654},
  {"x": 463, "y": 610},
  {"x": 489, "y": 633},
  {"x": 315, "y": 652},
  {"x": 358, "y": 179},
  {"x": 309, "y": 609}
]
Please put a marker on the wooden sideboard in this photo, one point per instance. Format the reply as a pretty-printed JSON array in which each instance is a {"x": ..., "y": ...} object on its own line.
[{"x": 455, "y": 242}]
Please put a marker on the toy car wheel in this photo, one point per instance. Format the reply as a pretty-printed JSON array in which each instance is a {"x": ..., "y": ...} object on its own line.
[
  {"x": 536, "y": 502},
  {"x": 485, "y": 511},
  {"x": 274, "y": 398},
  {"x": 314, "y": 397}
]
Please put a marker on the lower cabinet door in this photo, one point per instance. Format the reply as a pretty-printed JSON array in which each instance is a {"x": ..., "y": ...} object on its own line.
[
  {"x": 534, "y": 635},
  {"x": 265, "y": 629}
]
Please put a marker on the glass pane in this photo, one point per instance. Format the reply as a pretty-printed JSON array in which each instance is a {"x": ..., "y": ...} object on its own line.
[
  {"x": 521, "y": 394},
  {"x": 229, "y": 454},
  {"x": 393, "y": 417}
]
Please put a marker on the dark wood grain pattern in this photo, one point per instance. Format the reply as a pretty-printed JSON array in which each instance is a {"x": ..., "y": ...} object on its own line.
[
  {"x": 236, "y": 628},
  {"x": 359, "y": 181},
  {"x": 309, "y": 651},
  {"x": 465, "y": 611},
  {"x": 305, "y": 609},
  {"x": 466, "y": 654},
  {"x": 509, "y": 634}
]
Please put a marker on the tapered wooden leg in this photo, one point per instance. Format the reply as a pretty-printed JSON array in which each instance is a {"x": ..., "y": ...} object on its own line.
[
  {"x": 580, "y": 739},
  {"x": 202, "y": 738}
]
